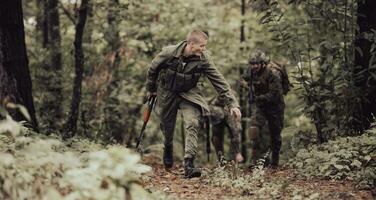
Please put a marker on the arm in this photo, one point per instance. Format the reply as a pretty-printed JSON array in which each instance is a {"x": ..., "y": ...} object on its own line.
[
  {"x": 220, "y": 84},
  {"x": 153, "y": 71}
]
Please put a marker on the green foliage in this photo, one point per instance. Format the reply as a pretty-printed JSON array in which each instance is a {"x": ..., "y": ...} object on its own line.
[
  {"x": 316, "y": 37},
  {"x": 120, "y": 40},
  {"x": 260, "y": 184},
  {"x": 255, "y": 184},
  {"x": 40, "y": 167},
  {"x": 350, "y": 158}
]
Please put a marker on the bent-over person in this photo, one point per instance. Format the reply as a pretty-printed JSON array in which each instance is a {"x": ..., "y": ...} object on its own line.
[{"x": 174, "y": 76}]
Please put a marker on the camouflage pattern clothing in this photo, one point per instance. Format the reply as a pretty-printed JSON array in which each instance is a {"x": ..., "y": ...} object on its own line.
[
  {"x": 267, "y": 106},
  {"x": 220, "y": 118},
  {"x": 172, "y": 95}
]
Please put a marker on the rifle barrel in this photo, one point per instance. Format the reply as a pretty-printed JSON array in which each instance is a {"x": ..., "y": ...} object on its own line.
[{"x": 147, "y": 114}]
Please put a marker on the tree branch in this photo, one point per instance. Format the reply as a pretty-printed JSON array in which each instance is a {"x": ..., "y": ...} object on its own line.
[{"x": 67, "y": 13}]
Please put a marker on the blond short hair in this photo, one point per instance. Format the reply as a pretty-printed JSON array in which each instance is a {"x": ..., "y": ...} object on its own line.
[{"x": 195, "y": 35}]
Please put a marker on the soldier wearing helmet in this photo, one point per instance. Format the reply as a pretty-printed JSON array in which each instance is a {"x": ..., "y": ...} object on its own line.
[{"x": 265, "y": 86}]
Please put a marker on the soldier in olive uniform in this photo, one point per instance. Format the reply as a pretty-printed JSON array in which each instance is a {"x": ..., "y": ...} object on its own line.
[
  {"x": 265, "y": 83},
  {"x": 220, "y": 119},
  {"x": 174, "y": 77}
]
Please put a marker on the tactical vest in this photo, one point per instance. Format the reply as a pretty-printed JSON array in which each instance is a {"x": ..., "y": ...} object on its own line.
[{"x": 173, "y": 77}]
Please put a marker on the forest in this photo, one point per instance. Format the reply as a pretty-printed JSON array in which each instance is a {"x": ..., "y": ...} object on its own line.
[{"x": 77, "y": 77}]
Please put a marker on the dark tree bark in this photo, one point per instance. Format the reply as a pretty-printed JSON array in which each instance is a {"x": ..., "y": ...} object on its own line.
[
  {"x": 242, "y": 98},
  {"x": 366, "y": 20},
  {"x": 15, "y": 81},
  {"x": 71, "y": 124}
]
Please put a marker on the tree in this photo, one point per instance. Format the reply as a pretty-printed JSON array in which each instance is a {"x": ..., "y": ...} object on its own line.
[
  {"x": 49, "y": 74},
  {"x": 242, "y": 101},
  {"x": 365, "y": 64},
  {"x": 15, "y": 80},
  {"x": 42, "y": 26},
  {"x": 71, "y": 124}
]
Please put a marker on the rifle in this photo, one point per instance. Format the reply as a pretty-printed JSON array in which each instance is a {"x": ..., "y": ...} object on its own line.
[
  {"x": 250, "y": 93},
  {"x": 147, "y": 113},
  {"x": 208, "y": 150}
]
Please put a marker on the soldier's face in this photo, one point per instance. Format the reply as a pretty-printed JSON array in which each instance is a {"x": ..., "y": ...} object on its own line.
[
  {"x": 198, "y": 47},
  {"x": 255, "y": 67}
]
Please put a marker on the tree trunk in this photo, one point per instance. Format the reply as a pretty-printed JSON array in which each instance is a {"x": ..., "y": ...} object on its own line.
[
  {"x": 71, "y": 125},
  {"x": 113, "y": 39},
  {"x": 54, "y": 86},
  {"x": 49, "y": 74},
  {"x": 41, "y": 26},
  {"x": 15, "y": 80},
  {"x": 242, "y": 101},
  {"x": 366, "y": 21}
]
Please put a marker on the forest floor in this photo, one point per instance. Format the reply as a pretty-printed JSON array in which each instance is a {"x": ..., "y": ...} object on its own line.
[{"x": 282, "y": 183}]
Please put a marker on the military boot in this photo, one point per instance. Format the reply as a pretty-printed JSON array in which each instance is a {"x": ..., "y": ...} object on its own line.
[
  {"x": 168, "y": 160},
  {"x": 275, "y": 160},
  {"x": 221, "y": 158},
  {"x": 254, "y": 158},
  {"x": 189, "y": 169}
]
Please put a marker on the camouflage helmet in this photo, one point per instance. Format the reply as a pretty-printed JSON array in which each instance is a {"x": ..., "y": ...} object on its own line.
[{"x": 258, "y": 56}]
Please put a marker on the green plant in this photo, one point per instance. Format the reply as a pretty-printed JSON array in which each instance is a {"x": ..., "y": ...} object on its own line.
[{"x": 349, "y": 158}]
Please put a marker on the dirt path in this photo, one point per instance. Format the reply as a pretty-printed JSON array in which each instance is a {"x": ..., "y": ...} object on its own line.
[{"x": 275, "y": 184}]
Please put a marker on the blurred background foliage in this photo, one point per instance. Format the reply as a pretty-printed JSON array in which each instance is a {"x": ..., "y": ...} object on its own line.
[{"x": 316, "y": 40}]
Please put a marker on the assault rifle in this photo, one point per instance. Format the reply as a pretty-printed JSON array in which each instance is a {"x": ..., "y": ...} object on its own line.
[
  {"x": 208, "y": 149},
  {"x": 147, "y": 113}
]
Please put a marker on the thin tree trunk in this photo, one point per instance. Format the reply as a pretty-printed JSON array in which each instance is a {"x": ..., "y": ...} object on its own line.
[
  {"x": 53, "y": 105},
  {"x": 15, "y": 80},
  {"x": 71, "y": 125},
  {"x": 242, "y": 98},
  {"x": 113, "y": 39},
  {"x": 40, "y": 26}
]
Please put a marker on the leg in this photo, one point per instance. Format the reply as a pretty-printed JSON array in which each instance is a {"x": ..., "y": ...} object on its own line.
[
  {"x": 217, "y": 138},
  {"x": 257, "y": 122},
  {"x": 168, "y": 114},
  {"x": 234, "y": 126},
  {"x": 191, "y": 116},
  {"x": 275, "y": 121}
]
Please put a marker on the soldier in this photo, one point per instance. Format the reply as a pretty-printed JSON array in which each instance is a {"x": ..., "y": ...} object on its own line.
[
  {"x": 174, "y": 77},
  {"x": 265, "y": 84},
  {"x": 220, "y": 118}
]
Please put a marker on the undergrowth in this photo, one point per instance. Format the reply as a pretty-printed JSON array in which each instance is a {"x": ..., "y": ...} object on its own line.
[{"x": 34, "y": 166}]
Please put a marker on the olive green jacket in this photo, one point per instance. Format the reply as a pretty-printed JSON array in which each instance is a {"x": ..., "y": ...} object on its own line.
[{"x": 194, "y": 95}]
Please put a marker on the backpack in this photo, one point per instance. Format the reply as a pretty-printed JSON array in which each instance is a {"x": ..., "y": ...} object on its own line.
[{"x": 286, "y": 85}]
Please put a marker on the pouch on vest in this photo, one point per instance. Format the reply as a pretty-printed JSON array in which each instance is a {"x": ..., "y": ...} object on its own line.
[{"x": 180, "y": 82}]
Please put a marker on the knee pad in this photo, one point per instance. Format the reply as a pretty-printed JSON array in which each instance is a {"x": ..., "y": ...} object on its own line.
[{"x": 254, "y": 132}]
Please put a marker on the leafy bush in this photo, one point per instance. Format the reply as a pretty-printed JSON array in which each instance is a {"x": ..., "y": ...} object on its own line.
[
  {"x": 259, "y": 184},
  {"x": 40, "y": 167},
  {"x": 350, "y": 158}
]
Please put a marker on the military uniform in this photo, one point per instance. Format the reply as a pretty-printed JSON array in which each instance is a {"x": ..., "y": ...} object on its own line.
[
  {"x": 177, "y": 80},
  {"x": 267, "y": 106},
  {"x": 221, "y": 118}
]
